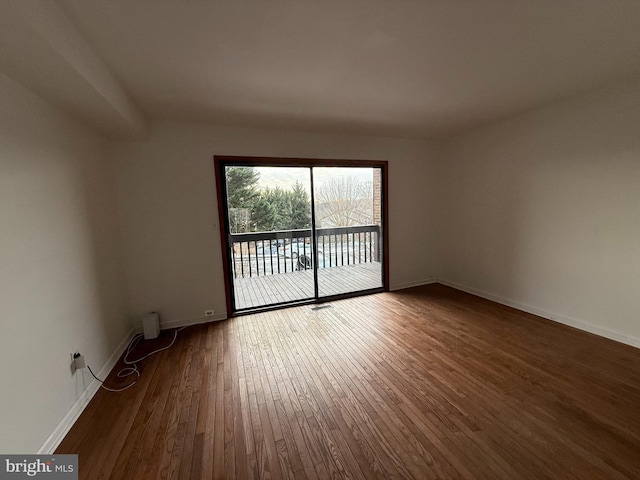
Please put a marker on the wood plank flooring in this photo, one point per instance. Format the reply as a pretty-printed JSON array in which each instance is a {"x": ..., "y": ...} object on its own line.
[{"x": 424, "y": 383}]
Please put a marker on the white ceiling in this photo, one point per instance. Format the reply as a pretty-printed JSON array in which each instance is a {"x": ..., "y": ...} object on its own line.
[{"x": 398, "y": 68}]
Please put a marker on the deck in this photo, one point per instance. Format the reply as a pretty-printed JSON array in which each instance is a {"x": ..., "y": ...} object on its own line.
[{"x": 257, "y": 291}]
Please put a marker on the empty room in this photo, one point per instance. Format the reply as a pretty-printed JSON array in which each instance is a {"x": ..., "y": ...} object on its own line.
[{"x": 319, "y": 239}]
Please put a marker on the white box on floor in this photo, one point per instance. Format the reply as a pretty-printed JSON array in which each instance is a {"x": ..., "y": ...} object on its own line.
[{"x": 151, "y": 325}]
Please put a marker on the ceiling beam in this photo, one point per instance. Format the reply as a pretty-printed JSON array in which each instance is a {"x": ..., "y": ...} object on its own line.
[{"x": 41, "y": 49}]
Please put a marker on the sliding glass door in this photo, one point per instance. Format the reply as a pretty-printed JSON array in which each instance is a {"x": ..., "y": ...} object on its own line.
[
  {"x": 296, "y": 232},
  {"x": 269, "y": 224},
  {"x": 348, "y": 221}
]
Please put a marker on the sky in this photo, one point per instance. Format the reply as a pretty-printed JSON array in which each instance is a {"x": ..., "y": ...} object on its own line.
[{"x": 286, "y": 177}]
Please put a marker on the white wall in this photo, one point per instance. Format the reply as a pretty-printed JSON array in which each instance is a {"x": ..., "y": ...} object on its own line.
[
  {"x": 542, "y": 211},
  {"x": 60, "y": 282},
  {"x": 171, "y": 235}
]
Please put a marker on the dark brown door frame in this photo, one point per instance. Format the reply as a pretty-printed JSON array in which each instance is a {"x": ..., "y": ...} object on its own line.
[{"x": 221, "y": 161}]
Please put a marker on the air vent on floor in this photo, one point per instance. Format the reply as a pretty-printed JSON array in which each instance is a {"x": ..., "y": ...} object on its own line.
[{"x": 320, "y": 307}]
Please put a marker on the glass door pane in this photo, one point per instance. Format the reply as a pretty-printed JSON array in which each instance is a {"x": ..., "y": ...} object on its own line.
[
  {"x": 270, "y": 242},
  {"x": 348, "y": 221}
]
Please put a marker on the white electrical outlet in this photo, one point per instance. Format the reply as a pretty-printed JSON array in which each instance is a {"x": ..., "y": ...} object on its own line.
[
  {"x": 208, "y": 313},
  {"x": 78, "y": 361}
]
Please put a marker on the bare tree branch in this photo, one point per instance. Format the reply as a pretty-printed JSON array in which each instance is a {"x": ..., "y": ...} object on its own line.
[{"x": 344, "y": 202}]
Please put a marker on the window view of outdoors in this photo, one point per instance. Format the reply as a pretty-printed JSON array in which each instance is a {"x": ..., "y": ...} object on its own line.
[
  {"x": 270, "y": 225},
  {"x": 256, "y": 206}
]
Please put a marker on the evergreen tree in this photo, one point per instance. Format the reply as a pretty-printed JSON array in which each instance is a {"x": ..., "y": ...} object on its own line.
[
  {"x": 241, "y": 186},
  {"x": 251, "y": 209},
  {"x": 279, "y": 209},
  {"x": 265, "y": 214},
  {"x": 300, "y": 207},
  {"x": 242, "y": 193}
]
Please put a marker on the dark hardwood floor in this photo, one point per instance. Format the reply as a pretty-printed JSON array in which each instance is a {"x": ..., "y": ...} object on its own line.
[{"x": 423, "y": 383}]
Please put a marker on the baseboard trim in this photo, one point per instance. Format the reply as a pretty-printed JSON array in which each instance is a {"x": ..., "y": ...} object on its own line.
[
  {"x": 419, "y": 283},
  {"x": 186, "y": 322},
  {"x": 555, "y": 317},
  {"x": 61, "y": 430}
]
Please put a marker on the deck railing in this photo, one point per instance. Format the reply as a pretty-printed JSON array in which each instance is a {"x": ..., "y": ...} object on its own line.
[{"x": 270, "y": 253}]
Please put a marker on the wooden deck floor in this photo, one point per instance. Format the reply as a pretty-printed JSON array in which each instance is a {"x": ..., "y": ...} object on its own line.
[
  {"x": 425, "y": 383},
  {"x": 293, "y": 286}
]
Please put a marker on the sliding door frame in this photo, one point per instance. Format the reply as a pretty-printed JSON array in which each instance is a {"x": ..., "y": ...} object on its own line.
[{"x": 222, "y": 161}]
